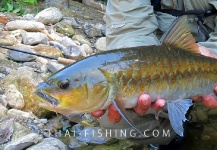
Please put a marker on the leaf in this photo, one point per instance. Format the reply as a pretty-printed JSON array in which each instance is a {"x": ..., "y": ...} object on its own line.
[
  {"x": 30, "y": 1},
  {"x": 9, "y": 7},
  {"x": 16, "y": 10}
]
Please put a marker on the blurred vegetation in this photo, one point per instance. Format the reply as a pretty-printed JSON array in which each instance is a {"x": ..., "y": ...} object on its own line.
[{"x": 16, "y": 6}]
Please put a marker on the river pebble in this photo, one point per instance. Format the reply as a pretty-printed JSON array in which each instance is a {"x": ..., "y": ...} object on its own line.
[
  {"x": 31, "y": 26},
  {"x": 34, "y": 38},
  {"x": 50, "y": 15},
  {"x": 101, "y": 44},
  {"x": 54, "y": 66},
  {"x": 14, "y": 97},
  {"x": 22, "y": 114},
  {"x": 23, "y": 142},
  {"x": 49, "y": 144}
]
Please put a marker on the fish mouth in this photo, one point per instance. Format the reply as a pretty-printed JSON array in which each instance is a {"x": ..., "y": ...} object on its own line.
[{"x": 47, "y": 97}]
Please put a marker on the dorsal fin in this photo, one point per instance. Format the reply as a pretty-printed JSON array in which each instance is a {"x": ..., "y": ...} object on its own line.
[{"x": 179, "y": 34}]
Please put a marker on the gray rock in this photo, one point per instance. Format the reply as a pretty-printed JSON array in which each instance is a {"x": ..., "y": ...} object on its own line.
[
  {"x": 31, "y": 26},
  {"x": 86, "y": 49},
  {"x": 28, "y": 17},
  {"x": 57, "y": 45},
  {"x": 74, "y": 52},
  {"x": 92, "y": 30},
  {"x": 81, "y": 39},
  {"x": 73, "y": 143},
  {"x": 34, "y": 38},
  {"x": 101, "y": 44},
  {"x": 54, "y": 66},
  {"x": 1, "y": 91},
  {"x": 32, "y": 65},
  {"x": 2, "y": 75},
  {"x": 24, "y": 142},
  {"x": 56, "y": 3},
  {"x": 21, "y": 114},
  {"x": 22, "y": 57},
  {"x": 201, "y": 116},
  {"x": 20, "y": 130},
  {"x": 39, "y": 121},
  {"x": 49, "y": 144},
  {"x": 94, "y": 4},
  {"x": 212, "y": 112},
  {"x": 64, "y": 28},
  {"x": 6, "y": 129},
  {"x": 72, "y": 22},
  {"x": 50, "y": 15},
  {"x": 3, "y": 101},
  {"x": 5, "y": 70},
  {"x": 3, "y": 110},
  {"x": 66, "y": 41},
  {"x": 14, "y": 97}
]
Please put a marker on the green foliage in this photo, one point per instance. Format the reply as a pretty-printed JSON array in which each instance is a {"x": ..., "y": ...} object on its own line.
[{"x": 16, "y": 6}]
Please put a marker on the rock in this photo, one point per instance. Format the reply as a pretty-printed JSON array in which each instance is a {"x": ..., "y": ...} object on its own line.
[
  {"x": 21, "y": 114},
  {"x": 14, "y": 97},
  {"x": 32, "y": 65},
  {"x": 3, "y": 100},
  {"x": 74, "y": 52},
  {"x": 57, "y": 45},
  {"x": 92, "y": 30},
  {"x": 40, "y": 121},
  {"x": 81, "y": 39},
  {"x": 5, "y": 70},
  {"x": 201, "y": 116},
  {"x": 22, "y": 57},
  {"x": 34, "y": 38},
  {"x": 49, "y": 144},
  {"x": 71, "y": 21},
  {"x": 86, "y": 49},
  {"x": 50, "y": 15},
  {"x": 101, "y": 44},
  {"x": 56, "y": 3},
  {"x": 54, "y": 124},
  {"x": 73, "y": 143},
  {"x": 3, "y": 110},
  {"x": 212, "y": 112},
  {"x": 28, "y": 17},
  {"x": 54, "y": 66},
  {"x": 94, "y": 4},
  {"x": 2, "y": 75},
  {"x": 31, "y": 26},
  {"x": 104, "y": 18},
  {"x": 6, "y": 129},
  {"x": 19, "y": 131},
  {"x": 6, "y": 42},
  {"x": 47, "y": 50},
  {"x": 66, "y": 41},
  {"x": 64, "y": 28},
  {"x": 23, "y": 142}
]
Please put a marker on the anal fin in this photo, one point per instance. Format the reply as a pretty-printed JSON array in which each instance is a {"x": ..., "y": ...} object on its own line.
[
  {"x": 176, "y": 111},
  {"x": 119, "y": 106}
]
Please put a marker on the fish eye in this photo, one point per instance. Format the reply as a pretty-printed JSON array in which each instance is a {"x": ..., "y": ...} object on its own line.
[{"x": 64, "y": 84}]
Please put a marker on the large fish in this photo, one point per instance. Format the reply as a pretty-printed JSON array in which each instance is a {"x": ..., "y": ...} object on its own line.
[{"x": 174, "y": 71}]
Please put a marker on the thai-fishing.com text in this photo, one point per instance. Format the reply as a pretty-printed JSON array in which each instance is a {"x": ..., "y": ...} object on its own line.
[{"x": 121, "y": 133}]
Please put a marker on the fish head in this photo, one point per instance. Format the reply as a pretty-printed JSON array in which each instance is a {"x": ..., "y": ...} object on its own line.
[{"x": 74, "y": 91}]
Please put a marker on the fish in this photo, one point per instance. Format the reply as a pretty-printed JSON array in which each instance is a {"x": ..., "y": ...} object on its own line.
[{"x": 174, "y": 70}]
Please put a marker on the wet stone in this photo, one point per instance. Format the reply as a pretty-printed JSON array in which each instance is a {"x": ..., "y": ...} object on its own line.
[
  {"x": 6, "y": 126},
  {"x": 81, "y": 39},
  {"x": 72, "y": 22},
  {"x": 50, "y": 15},
  {"x": 73, "y": 143},
  {"x": 201, "y": 116},
  {"x": 92, "y": 31},
  {"x": 64, "y": 28},
  {"x": 74, "y": 52},
  {"x": 66, "y": 41},
  {"x": 24, "y": 142},
  {"x": 3, "y": 110},
  {"x": 22, "y": 57},
  {"x": 34, "y": 38},
  {"x": 54, "y": 66},
  {"x": 21, "y": 114},
  {"x": 86, "y": 49},
  {"x": 2, "y": 75},
  {"x": 57, "y": 45},
  {"x": 32, "y": 65},
  {"x": 49, "y": 144}
]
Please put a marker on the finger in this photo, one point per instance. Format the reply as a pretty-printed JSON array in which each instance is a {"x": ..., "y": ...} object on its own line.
[
  {"x": 215, "y": 89},
  {"x": 113, "y": 114},
  {"x": 159, "y": 104},
  {"x": 209, "y": 101},
  {"x": 98, "y": 113},
  {"x": 143, "y": 104},
  {"x": 197, "y": 98}
]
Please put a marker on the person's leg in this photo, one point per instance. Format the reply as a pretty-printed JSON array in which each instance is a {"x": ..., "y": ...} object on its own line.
[{"x": 130, "y": 23}]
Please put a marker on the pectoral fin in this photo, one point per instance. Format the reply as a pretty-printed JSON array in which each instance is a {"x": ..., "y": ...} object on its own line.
[
  {"x": 176, "y": 111},
  {"x": 119, "y": 106}
]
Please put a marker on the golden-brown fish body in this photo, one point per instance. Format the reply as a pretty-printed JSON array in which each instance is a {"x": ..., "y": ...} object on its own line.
[{"x": 164, "y": 71}]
